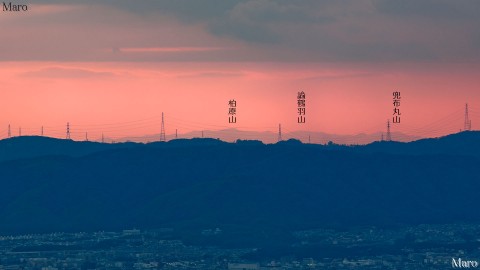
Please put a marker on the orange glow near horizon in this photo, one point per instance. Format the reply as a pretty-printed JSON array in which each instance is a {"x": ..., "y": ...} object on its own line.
[{"x": 127, "y": 99}]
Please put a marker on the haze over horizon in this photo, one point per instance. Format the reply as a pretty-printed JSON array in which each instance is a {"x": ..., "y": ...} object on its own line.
[{"x": 114, "y": 67}]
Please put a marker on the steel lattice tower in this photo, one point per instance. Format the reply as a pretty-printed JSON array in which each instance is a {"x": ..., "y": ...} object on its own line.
[
  {"x": 389, "y": 135},
  {"x": 68, "y": 130},
  {"x": 162, "y": 131},
  {"x": 279, "y": 132},
  {"x": 467, "y": 125}
]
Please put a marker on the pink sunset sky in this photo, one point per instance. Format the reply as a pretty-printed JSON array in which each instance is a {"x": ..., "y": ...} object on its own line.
[{"x": 113, "y": 67}]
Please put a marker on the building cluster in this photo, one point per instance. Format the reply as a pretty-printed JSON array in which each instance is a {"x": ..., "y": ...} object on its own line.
[{"x": 407, "y": 247}]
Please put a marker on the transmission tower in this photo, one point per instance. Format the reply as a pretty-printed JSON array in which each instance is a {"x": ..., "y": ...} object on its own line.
[
  {"x": 103, "y": 139},
  {"x": 467, "y": 125},
  {"x": 86, "y": 136},
  {"x": 162, "y": 131},
  {"x": 42, "y": 131},
  {"x": 176, "y": 133},
  {"x": 68, "y": 130},
  {"x": 9, "y": 131},
  {"x": 20, "y": 131},
  {"x": 389, "y": 135},
  {"x": 279, "y": 132}
]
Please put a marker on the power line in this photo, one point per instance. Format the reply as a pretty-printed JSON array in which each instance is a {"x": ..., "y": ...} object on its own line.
[
  {"x": 438, "y": 127},
  {"x": 279, "y": 132}
]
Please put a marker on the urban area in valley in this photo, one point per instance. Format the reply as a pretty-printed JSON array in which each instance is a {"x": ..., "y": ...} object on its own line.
[{"x": 402, "y": 247}]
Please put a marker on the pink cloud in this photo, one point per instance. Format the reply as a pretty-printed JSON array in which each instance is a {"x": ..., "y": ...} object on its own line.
[{"x": 170, "y": 49}]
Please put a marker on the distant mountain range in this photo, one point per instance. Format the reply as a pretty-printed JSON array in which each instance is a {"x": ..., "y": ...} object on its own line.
[
  {"x": 60, "y": 185},
  {"x": 231, "y": 135}
]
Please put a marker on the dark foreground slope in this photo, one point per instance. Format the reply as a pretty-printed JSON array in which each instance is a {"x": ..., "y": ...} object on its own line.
[
  {"x": 36, "y": 146},
  {"x": 207, "y": 184}
]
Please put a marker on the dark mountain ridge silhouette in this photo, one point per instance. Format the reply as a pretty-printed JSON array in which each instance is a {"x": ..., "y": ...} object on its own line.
[
  {"x": 37, "y": 146},
  {"x": 232, "y": 134},
  {"x": 463, "y": 143},
  {"x": 60, "y": 185}
]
